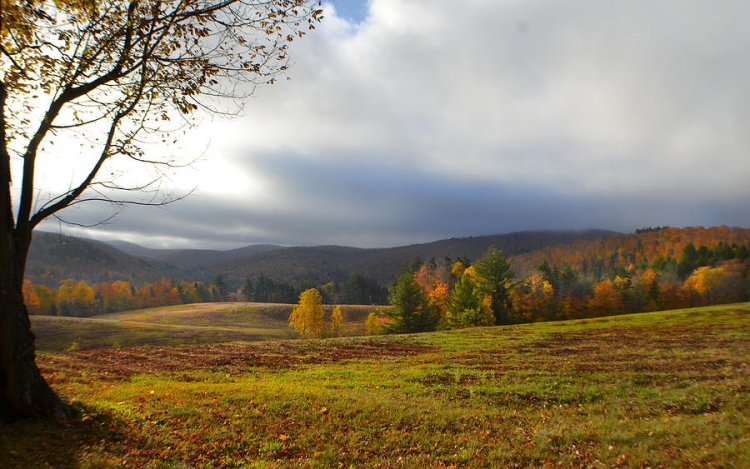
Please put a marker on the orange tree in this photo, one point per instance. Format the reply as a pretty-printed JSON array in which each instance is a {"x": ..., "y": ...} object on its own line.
[{"x": 100, "y": 78}]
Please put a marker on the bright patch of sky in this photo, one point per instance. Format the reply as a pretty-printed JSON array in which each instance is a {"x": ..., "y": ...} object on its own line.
[
  {"x": 413, "y": 120},
  {"x": 352, "y": 11}
]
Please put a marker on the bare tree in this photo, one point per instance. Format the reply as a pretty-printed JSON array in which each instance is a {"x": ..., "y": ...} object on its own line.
[{"x": 93, "y": 82}]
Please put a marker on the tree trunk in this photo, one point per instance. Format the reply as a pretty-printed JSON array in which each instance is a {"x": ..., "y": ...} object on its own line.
[{"x": 23, "y": 390}]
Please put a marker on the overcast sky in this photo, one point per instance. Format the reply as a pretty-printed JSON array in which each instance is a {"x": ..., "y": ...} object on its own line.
[{"x": 414, "y": 120}]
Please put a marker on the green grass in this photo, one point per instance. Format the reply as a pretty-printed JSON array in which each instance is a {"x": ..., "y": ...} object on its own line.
[{"x": 668, "y": 389}]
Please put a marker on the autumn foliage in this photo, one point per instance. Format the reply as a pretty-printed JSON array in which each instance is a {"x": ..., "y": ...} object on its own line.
[
  {"x": 653, "y": 269},
  {"x": 307, "y": 316},
  {"x": 78, "y": 299}
]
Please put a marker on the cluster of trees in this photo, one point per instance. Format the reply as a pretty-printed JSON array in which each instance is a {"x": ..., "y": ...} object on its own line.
[
  {"x": 451, "y": 294},
  {"x": 444, "y": 296},
  {"x": 487, "y": 293},
  {"x": 358, "y": 289},
  {"x": 308, "y": 317},
  {"x": 77, "y": 298},
  {"x": 657, "y": 247},
  {"x": 551, "y": 294}
]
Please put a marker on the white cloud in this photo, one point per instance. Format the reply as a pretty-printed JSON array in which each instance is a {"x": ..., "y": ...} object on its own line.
[{"x": 586, "y": 102}]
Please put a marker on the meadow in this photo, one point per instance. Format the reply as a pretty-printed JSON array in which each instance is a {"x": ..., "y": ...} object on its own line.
[
  {"x": 178, "y": 325},
  {"x": 667, "y": 389}
]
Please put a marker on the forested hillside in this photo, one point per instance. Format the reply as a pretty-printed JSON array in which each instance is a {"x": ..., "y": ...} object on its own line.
[
  {"x": 185, "y": 260},
  {"x": 661, "y": 247},
  {"x": 323, "y": 264},
  {"x": 553, "y": 275},
  {"x": 54, "y": 258},
  {"x": 653, "y": 269}
]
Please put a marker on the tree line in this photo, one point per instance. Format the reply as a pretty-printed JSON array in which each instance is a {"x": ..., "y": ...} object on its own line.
[
  {"x": 456, "y": 293},
  {"x": 77, "y": 298},
  {"x": 432, "y": 296}
]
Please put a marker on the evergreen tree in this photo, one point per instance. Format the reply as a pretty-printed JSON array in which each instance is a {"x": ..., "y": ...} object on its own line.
[
  {"x": 248, "y": 289},
  {"x": 493, "y": 275},
  {"x": 465, "y": 306},
  {"x": 411, "y": 310},
  {"x": 222, "y": 288},
  {"x": 263, "y": 289},
  {"x": 688, "y": 261}
]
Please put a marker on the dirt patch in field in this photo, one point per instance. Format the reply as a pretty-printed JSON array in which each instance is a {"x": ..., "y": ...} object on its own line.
[{"x": 115, "y": 364}]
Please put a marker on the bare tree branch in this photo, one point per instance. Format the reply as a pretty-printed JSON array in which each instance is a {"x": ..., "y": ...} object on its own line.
[{"x": 136, "y": 65}]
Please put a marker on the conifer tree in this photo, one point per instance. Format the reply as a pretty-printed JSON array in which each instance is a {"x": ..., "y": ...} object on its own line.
[
  {"x": 411, "y": 310},
  {"x": 465, "y": 307},
  {"x": 493, "y": 275}
]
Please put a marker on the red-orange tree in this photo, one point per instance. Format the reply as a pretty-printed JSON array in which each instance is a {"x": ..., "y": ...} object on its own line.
[{"x": 113, "y": 74}]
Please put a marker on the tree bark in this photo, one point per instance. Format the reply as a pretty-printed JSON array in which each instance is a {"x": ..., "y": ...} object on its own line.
[{"x": 23, "y": 390}]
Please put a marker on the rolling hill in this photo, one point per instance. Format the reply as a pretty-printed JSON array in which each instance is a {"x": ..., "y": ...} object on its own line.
[
  {"x": 54, "y": 258},
  {"x": 667, "y": 389},
  {"x": 321, "y": 264},
  {"x": 179, "y": 325},
  {"x": 186, "y": 259}
]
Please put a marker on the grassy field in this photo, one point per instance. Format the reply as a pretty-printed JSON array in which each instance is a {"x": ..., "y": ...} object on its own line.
[
  {"x": 178, "y": 325},
  {"x": 669, "y": 389}
]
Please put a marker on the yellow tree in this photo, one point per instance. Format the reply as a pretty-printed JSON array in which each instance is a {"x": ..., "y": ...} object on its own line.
[
  {"x": 533, "y": 299},
  {"x": 75, "y": 298},
  {"x": 647, "y": 288},
  {"x": 115, "y": 296},
  {"x": 47, "y": 300},
  {"x": 705, "y": 281},
  {"x": 372, "y": 324},
  {"x": 607, "y": 300},
  {"x": 83, "y": 299},
  {"x": 84, "y": 84},
  {"x": 307, "y": 316},
  {"x": 188, "y": 292},
  {"x": 439, "y": 300},
  {"x": 337, "y": 322}
]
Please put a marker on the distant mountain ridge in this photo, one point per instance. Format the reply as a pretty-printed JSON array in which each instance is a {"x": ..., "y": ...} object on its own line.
[
  {"x": 321, "y": 264},
  {"x": 186, "y": 259},
  {"x": 54, "y": 258}
]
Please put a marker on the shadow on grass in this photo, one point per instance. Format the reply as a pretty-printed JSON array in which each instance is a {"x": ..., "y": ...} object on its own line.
[{"x": 66, "y": 443}]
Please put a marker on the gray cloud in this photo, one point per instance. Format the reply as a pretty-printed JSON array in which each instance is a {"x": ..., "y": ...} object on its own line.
[{"x": 432, "y": 119}]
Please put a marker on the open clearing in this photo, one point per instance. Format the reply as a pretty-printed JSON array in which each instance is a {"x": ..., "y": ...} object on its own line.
[
  {"x": 178, "y": 325},
  {"x": 668, "y": 389}
]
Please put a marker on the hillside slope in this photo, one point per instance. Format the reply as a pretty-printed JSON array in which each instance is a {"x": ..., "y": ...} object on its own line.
[
  {"x": 321, "y": 264},
  {"x": 654, "y": 390},
  {"x": 177, "y": 260},
  {"x": 180, "y": 325},
  {"x": 54, "y": 258}
]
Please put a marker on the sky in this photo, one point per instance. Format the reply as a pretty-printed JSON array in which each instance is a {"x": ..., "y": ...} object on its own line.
[{"x": 408, "y": 121}]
